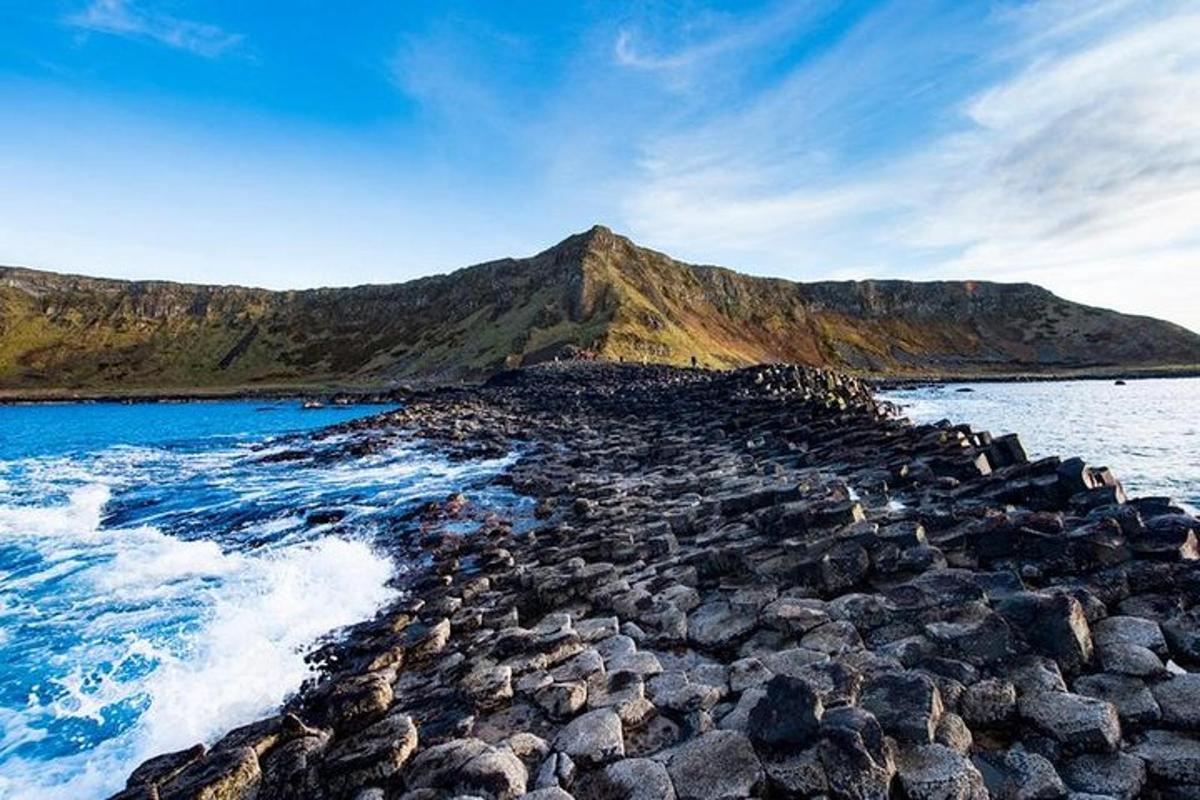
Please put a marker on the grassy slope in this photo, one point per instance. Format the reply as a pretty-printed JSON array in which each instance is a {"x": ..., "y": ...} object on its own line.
[{"x": 594, "y": 290}]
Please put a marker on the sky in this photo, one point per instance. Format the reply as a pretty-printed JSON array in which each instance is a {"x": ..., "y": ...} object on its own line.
[{"x": 317, "y": 143}]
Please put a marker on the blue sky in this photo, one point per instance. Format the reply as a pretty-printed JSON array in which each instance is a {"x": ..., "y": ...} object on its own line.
[{"x": 315, "y": 143}]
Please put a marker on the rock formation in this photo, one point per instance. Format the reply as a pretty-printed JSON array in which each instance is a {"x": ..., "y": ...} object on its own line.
[
  {"x": 594, "y": 295},
  {"x": 747, "y": 584}
]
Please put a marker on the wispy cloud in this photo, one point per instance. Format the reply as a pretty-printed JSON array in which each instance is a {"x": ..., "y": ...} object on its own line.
[
  {"x": 705, "y": 37},
  {"x": 1075, "y": 164},
  {"x": 131, "y": 20}
]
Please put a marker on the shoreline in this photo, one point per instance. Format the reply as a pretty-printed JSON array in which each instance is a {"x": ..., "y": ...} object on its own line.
[
  {"x": 356, "y": 393},
  {"x": 927, "y": 606}
]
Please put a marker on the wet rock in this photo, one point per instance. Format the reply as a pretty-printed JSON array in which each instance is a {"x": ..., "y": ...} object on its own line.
[
  {"x": 470, "y": 767},
  {"x": 718, "y": 765},
  {"x": 232, "y": 774},
  {"x": 907, "y": 705},
  {"x": 592, "y": 739},
  {"x": 789, "y": 714},
  {"x": 935, "y": 772},
  {"x": 163, "y": 768},
  {"x": 1076, "y": 722},
  {"x": 373, "y": 755}
]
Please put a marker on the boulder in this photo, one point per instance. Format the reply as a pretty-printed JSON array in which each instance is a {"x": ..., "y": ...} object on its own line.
[
  {"x": 788, "y": 715},
  {"x": 856, "y": 756},
  {"x": 231, "y": 774},
  {"x": 592, "y": 739},
  {"x": 1030, "y": 776},
  {"x": 906, "y": 704},
  {"x": 1170, "y": 757},
  {"x": 935, "y": 772},
  {"x": 636, "y": 779},
  {"x": 1053, "y": 625},
  {"x": 469, "y": 767},
  {"x": 1179, "y": 701},
  {"x": 718, "y": 765},
  {"x": 373, "y": 755},
  {"x": 1077, "y": 722},
  {"x": 1135, "y": 704},
  {"x": 1110, "y": 774},
  {"x": 989, "y": 703}
]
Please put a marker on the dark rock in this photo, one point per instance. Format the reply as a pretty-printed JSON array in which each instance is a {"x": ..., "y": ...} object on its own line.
[
  {"x": 232, "y": 774},
  {"x": 858, "y": 760},
  {"x": 718, "y": 765},
  {"x": 789, "y": 714},
  {"x": 1076, "y": 722},
  {"x": 372, "y": 756},
  {"x": 1054, "y": 625},
  {"x": 907, "y": 705},
  {"x": 935, "y": 772},
  {"x": 1111, "y": 774}
]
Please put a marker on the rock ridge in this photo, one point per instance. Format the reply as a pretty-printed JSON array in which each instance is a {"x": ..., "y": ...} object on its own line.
[{"x": 758, "y": 583}]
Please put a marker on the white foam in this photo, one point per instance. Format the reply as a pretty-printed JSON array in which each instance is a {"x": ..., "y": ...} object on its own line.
[{"x": 242, "y": 652}]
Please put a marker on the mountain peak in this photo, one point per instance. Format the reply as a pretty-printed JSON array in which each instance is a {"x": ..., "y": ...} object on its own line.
[{"x": 595, "y": 293}]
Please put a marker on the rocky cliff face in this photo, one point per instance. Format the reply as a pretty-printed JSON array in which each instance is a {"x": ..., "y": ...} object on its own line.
[{"x": 596, "y": 294}]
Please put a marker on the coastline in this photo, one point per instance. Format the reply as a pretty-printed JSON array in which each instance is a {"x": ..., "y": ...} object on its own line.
[
  {"x": 712, "y": 545},
  {"x": 373, "y": 393}
]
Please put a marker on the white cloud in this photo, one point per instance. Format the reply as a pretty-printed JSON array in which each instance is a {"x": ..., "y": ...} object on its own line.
[
  {"x": 1077, "y": 167},
  {"x": 126, "y": 18}
]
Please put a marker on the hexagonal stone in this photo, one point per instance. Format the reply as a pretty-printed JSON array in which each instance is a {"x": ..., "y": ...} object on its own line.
[
  {"x": 593, "y": 739},
  {"x": 789, "y": 714},
  {"x": 907, "y": 705},
  {"x": 717, "y": 764},
  {"x": 1133, "y": 700},
  {"x": 373, "y": 755},
  {"x": 1077, "y": 722},
  {"x": 1179, "y": 701},
  {"x": 718, "y": 626},
  {"x": 1109, "y": 774},
  {"x": 1171, "y": 757},
  {"x": 935, "y": 772},
  {"x": 637, "y": 779},
  {"x": 989, "y": 703}
]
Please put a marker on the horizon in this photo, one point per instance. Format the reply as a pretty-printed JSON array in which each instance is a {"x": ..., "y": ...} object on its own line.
[{"x": 199, "y": 142}]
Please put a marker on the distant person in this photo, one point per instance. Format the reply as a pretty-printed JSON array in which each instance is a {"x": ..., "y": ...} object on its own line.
[{"x": 694, "y": 362}]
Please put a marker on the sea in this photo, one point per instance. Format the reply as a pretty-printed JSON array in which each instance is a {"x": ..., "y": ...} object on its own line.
[
  {"x": 160, "y": 583},
  {"x": 1147, "y": 430}
]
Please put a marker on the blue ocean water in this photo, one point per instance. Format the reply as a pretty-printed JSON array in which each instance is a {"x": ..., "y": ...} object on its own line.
[
  {"x": 1147, "y": 431},
  {"x": 160, "y": 584}
]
